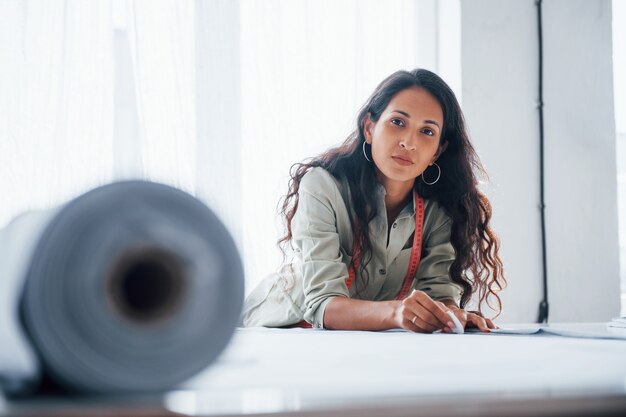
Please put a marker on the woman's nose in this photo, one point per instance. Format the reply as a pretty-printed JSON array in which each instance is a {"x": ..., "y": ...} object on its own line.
[{"x": 407, "y": 143}]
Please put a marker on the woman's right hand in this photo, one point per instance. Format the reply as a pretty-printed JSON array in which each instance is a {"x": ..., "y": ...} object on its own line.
[{"x": 420, "y": 313}]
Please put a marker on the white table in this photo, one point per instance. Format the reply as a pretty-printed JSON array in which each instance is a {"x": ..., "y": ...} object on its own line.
[
  {"x": 289, "y": 370},
  {"x": 305, "y": 372}
]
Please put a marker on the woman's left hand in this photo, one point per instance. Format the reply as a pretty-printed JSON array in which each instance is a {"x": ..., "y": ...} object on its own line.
[{"x": 471, "y": 320}]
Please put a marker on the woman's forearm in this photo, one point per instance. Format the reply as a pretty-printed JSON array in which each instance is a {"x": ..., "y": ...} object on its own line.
[
  {"x": 343, "y": 313},
  {"x": 417, "y": 312}
]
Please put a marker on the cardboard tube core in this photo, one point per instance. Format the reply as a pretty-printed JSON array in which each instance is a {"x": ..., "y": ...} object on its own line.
[{"x": 147, "y": 285}]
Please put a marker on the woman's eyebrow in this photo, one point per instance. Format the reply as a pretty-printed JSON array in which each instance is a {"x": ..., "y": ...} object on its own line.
[
  {"x": 403, "y": 113},
  {"x": 432, "y": 122}
]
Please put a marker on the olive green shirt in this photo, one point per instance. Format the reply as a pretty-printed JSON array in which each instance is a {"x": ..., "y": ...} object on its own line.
[{"x": 322, "y": 244}]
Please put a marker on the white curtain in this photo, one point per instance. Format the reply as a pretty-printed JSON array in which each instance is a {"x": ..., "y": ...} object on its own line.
[
  {"x": 216, "y": 97},
  {"x": 56, "y": 101},
  {"x": 161, "y": 37}
]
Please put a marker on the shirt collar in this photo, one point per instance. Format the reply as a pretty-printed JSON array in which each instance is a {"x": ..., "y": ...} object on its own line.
[{"x": 407, "y": 211}]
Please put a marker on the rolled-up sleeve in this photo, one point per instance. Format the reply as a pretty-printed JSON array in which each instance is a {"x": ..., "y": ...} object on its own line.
[
  {"x": 316, "y": 241},
  {"x": 433, "y": 275}
]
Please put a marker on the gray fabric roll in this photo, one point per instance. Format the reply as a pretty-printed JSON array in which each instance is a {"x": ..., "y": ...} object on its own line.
[{"x": 131, "y": 287}]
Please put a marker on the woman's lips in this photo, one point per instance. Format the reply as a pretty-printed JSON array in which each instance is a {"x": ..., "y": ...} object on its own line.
[{"x": 401, "y": 160}]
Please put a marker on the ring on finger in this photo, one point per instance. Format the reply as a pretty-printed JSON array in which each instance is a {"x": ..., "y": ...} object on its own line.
[{"x": 413, "y": 321}]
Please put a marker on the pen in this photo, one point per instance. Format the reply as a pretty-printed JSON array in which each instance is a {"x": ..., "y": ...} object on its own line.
[{"x": 458, "y": 327}]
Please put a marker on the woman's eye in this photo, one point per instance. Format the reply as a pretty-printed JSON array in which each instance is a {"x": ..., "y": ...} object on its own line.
[
  {"x": 429, "y": 132},
  {"x": 398, "y": 122}
]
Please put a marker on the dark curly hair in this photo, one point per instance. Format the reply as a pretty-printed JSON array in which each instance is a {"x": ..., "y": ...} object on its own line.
[{"x": 477, "y": 267}]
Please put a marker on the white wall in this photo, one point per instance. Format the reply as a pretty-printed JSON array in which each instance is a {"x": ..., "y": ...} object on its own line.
[
  {"x": 619, "y": 89},
  {"x": 581, "y": 183},
  {"x": 499, "y": 60},
  {"x": 499, "y": 66}
]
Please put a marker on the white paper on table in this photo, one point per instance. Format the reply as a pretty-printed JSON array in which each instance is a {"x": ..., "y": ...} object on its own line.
[
  {"x": 618, "y": 322},
  {"x": 580, "y": 330}
]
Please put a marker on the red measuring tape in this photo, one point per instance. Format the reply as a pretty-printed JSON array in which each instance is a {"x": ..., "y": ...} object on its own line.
[{"x": 414, "y": 262}]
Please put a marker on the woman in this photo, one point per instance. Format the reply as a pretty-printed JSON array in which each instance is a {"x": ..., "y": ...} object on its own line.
[{"x": 388, "y": 230}]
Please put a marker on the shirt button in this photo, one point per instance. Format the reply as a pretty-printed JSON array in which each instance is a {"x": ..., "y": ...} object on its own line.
[
  {"x": 394, "y": 225},
  {"x": 381, "y": 271}
]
